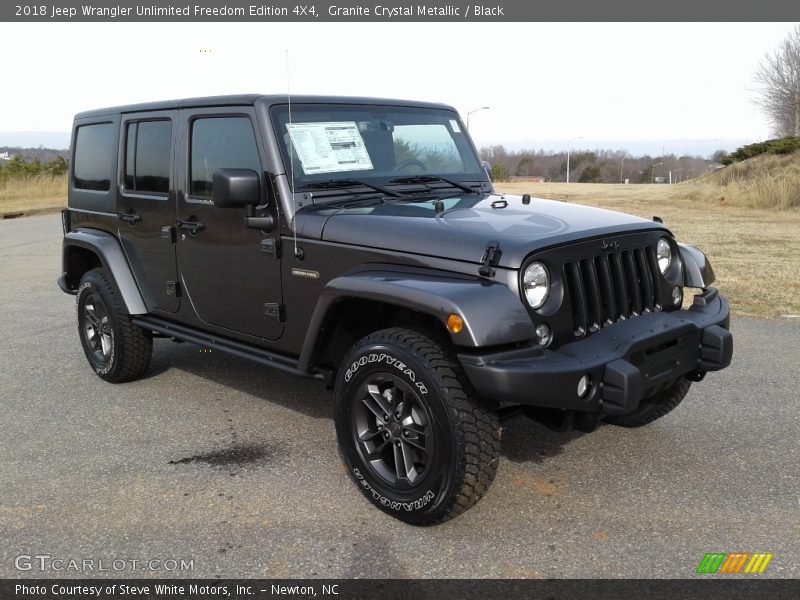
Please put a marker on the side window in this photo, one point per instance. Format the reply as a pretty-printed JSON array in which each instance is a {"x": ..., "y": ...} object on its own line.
[
  {"x": 220, "y": 143},
  {"x": 94, "y": 154},
  {"x": 147, "y": 157}
]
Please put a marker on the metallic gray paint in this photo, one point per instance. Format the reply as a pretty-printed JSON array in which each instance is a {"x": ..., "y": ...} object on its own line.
[
  {"x": 109, "y": 251},
  {"x": 492, "y": 313},
  {"x": 463, "y": 233}
]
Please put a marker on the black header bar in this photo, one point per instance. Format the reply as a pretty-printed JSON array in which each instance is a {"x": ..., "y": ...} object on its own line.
[
  {"x": 281, "y": 11},
  {"x": 742, "y": 587}
]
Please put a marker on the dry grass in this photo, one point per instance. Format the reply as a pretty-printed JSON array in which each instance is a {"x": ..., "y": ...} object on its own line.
[
  {"x": 768, "y": 181},
  {"x": 36, "y": 195},
  {"x": 754, "y": 252}
]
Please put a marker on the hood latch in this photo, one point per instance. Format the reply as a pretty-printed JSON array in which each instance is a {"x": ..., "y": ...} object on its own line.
[{"x": 490, "y": 259}]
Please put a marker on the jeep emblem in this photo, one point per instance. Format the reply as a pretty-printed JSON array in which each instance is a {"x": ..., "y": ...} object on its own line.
[{"x": 607, "y": 246}]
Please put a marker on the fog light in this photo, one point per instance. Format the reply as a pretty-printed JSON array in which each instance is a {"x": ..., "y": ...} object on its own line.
[
  {"x": 583, "y": 386},
  {"x": 677, "y": 295},
  {"x": 544, "y": 334},
  {"x": 455, "y": 323}
]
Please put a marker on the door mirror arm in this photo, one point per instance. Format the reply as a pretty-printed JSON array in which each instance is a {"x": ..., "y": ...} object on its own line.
[{"x": 266, "y": 223}]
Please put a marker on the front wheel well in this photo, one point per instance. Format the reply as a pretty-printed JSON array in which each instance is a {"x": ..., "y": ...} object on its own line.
[
  {"x": 78, "y": 261},
  {"x": 350, "y": 319}
]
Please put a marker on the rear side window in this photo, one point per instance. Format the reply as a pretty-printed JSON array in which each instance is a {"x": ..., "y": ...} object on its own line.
[
  {"x": 220, "y": 143},
  {"x": 95, "y": 147},
  {"x": 147, "y": 157}
]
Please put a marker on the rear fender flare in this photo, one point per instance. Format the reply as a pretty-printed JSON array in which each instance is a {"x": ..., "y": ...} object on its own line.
[{"x": 108, "y": 250}]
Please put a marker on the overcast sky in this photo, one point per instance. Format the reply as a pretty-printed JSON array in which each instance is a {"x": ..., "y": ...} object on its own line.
[{"x": 544, "y": 83}]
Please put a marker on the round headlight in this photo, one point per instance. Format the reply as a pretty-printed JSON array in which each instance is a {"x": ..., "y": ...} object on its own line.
[
  {"x": 664, "y": 255},
  {"x": 536, "y": 284}
]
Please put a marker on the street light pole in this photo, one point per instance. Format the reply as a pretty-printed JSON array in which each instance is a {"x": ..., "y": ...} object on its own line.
[
  {"x": 621, "y": 166},
  {"x": 653, "y": 172},
  {"x": 474, "y": 110},
  {"x": 568, "y": 149}
]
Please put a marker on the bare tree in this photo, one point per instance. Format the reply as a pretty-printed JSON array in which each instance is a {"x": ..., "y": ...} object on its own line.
[{"x": 778, "y": 81}]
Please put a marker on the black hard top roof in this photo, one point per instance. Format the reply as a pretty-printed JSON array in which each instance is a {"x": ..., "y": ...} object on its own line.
[{"x": 251, "y": 99}]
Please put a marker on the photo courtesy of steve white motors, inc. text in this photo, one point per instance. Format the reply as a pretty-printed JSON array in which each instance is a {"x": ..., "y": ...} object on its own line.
[
  {"x": 301, "y": 11},
  {"x": 148, "y": 589}
]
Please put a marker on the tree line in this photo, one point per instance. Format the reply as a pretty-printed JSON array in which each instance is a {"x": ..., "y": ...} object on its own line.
[
  {"x": 595, "y": 166},
  {"x": 19, "y": 168}
]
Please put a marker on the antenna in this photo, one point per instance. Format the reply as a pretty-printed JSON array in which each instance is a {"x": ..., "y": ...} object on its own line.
[{"x": 291, "y": 159}]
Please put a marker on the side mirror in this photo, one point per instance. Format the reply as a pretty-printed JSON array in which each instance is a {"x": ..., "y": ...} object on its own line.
[
  {"x": 488, "y": 168},
  {"x": 236, "y": 188},
  {"x": 241, "y": 188}
]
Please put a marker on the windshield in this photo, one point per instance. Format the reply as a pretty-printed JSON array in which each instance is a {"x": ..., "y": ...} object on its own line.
[{"x": 373, "y": 144}]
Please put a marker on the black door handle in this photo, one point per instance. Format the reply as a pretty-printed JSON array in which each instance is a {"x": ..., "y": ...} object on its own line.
[
  {"x": 129, "y": 217},
  {"x": 192, "y": 226}
]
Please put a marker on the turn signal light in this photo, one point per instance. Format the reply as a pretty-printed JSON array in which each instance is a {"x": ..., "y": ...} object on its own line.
[{"x": 455, "y": 323}]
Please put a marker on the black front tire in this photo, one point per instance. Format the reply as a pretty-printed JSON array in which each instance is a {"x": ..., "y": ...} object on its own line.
[
  {"x": 417, "y": 440},
  {"x": 116, "y": 349},
  {"x": 654, "y": 407}
]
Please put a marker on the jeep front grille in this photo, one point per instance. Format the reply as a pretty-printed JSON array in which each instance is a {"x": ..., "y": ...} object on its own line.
[{"x": 611, "y": 287}]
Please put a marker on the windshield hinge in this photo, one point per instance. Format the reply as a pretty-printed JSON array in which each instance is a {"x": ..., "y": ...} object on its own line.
[
  {"x": 274, "y": 311},
  {"x": 490, "y": 260},
  {"x": 271, "y": 246}
]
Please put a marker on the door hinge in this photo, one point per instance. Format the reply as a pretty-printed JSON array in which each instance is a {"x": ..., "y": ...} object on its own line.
[
  {"x": 271, "y": 246},
  {"x": 274, "y": 311},
  {"x": 168, "y": 233},
  {"x": 173, "y": 289},
  {"x": 490, "y": 259}
]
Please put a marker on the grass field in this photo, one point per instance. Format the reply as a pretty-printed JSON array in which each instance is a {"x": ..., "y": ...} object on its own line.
[
  {"x": 755, "y": 251},
  {"x": 767, "y": 181},
  {"x": 31, "y": 196}
]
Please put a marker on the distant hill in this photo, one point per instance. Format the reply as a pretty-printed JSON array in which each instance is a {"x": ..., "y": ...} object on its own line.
[
  {"x": 763, "y": 181},
  {"x": 28, "y": 154}
]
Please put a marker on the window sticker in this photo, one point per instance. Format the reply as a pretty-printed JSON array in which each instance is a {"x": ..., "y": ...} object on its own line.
[
  {"x": 454, "y": 126},
  {"x": 329, "y": 147}
]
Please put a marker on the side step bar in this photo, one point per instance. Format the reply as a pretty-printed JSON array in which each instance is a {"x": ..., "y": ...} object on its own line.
[{"x": 259, "y": 355}]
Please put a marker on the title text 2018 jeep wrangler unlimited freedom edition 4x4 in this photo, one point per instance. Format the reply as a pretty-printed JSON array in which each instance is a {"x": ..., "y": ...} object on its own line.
[{"x": 359, "y": 241}]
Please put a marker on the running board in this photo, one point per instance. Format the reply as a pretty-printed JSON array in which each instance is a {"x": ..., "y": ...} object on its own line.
[{"x": 259, "y": 355}]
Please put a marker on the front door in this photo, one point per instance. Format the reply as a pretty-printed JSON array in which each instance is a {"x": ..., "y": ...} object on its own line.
[
  {"x": 228, "y": 278},
  {"x": 146, "y": 205}
]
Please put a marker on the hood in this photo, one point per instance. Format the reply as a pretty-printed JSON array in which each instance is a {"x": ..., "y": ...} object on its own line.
[{"x": 467, "y": 225}]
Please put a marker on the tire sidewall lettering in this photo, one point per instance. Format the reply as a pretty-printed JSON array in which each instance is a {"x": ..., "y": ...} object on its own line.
[
  {"x": 388, "y": 359},
  {"x": 396, "y": 505}
]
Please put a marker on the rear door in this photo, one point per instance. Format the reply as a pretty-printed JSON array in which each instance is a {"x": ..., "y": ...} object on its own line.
[
  {"x": 229, "y": 278},
  {"x": 146, "y": 204}
]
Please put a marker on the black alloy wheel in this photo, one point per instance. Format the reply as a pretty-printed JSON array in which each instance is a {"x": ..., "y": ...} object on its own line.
[{"x": 416, "y": 439}]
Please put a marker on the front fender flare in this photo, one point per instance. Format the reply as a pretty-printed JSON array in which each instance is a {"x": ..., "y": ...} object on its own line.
[
  {"x": 492, "y": 313},
  {"x": 697, "y": 271},
  {"x": 111, "y": 256}
]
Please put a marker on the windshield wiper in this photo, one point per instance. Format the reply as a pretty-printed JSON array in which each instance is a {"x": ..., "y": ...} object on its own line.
[
  {"x": 333, "y": 184},
  {"x": 429, "y": 178}
]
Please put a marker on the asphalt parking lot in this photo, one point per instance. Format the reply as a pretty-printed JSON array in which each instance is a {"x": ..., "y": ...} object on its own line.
[{"x": 234, "y": 467}]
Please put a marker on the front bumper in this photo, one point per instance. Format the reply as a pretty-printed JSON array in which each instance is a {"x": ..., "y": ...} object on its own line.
[{"x": 625, "y": 362}]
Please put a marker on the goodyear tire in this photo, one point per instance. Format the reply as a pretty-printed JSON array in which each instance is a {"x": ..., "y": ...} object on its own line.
[
  {"x": 655, "y": 407},
  {"x": 116, "y": 349},
  {"x": 415, "y": 438}
]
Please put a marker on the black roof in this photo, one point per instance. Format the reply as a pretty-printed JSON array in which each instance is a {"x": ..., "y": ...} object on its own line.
[{"x": 251, "y": 99}]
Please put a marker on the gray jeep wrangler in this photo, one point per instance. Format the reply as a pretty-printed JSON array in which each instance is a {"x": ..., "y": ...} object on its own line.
[{"x": 360, "y": 242}]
